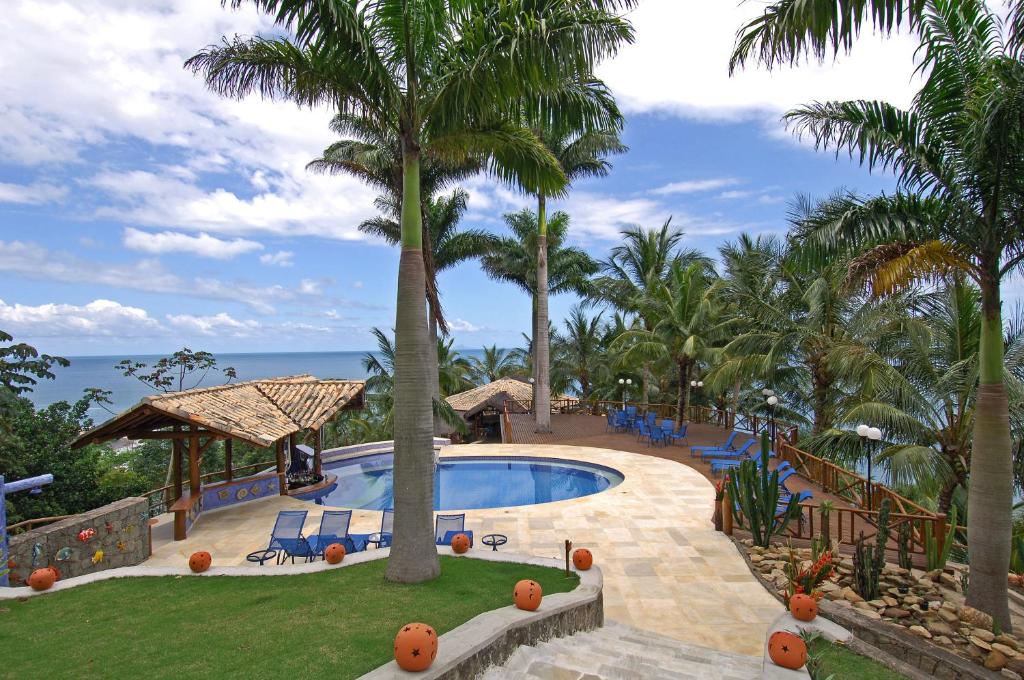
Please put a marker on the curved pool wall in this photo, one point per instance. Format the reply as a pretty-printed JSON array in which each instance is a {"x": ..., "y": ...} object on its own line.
[{"x": 469, "y": 482}]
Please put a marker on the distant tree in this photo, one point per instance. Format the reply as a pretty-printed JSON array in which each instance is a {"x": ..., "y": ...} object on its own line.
[
  {"x": 21, "y": 367},
  {"x": 171, "y": 373},
  {"x": 495, "y": 363}
]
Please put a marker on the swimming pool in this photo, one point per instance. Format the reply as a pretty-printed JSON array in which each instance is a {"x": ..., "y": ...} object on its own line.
[{"x": 471, "y": 483}]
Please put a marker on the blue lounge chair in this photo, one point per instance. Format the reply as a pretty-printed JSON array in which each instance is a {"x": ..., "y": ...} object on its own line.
[
  {"x": 334, "y": 529},
  {"x": 286, "y": 537},
  {"x": 727, "y": 446},
  {"x": 736, "y": 453},
  {"x": 447, "y": 526},
  {"x": 800, "y": 498}
]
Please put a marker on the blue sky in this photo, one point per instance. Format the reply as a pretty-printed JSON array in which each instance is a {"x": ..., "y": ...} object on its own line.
[{"x": 140, "y": 213}]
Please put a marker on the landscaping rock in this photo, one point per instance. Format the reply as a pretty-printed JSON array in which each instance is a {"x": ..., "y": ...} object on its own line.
[
  {"x": 895, "y": 613},
  {"x": 1016, "y": 665},
  {"x": 948, "y": 615},
  {"x": 995, "y": 661},
  {"x": 1009, "y": 652},
  {"x": 975, "y": 617},
  {"x": 940, "y": 628},
  {"x": 850, "y": 596},
  {"x": 920, "y": 631},
  {"x": 980, "y": 644},
  {"x": 986, "y": 635},
  {"x": 877, "y": 604}
]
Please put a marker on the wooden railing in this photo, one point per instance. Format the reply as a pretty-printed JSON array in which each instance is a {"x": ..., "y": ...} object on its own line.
[
  {"x": 30, "y": 524},
  {"x": 846, "y": 525}
]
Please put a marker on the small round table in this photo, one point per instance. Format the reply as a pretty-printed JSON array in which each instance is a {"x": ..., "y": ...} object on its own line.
[
  {"x": 494, "y": 540},
  {"x": 376, "y": 538},
  {"x": 261, "y": 556}
]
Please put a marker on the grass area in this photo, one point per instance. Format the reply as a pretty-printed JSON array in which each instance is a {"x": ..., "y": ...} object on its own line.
[
  {"x": 842, "y": 664},
  {"x": 338, "y": 623}
]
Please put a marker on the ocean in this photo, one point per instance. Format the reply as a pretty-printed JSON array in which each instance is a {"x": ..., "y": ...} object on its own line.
[{"x": 99, "y": 371}]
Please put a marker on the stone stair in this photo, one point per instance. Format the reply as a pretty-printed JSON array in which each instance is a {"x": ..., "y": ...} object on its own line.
[{"x": 620, "y": 652}]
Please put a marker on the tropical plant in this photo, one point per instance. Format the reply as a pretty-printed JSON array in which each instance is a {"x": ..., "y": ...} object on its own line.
[
  {"x": 957, "y": 154},
  {"x": 494, "y": 364},
  {"x": 937, "y": 555},
  {"x": 869, "y": 560},
  {"x": 755, "y": 492},
  {"x": 442, "y": 75},
  {"x": 579, "y": 350}
]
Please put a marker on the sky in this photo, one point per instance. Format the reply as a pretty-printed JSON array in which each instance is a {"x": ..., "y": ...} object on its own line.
[{"x": 140, "y": 213}]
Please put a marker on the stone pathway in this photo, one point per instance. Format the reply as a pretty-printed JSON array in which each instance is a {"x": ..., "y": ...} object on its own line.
[{"x": 620, "y": 652}]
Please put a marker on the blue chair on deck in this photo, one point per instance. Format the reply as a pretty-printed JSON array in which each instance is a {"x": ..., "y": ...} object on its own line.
[
  {"x": 800, "y": 498},
  {"x": 631, "y": 418},
  {"x": 727, "y": 446},
  {"x": 446, "y": 527},
  {"x": 652, "y": 420},
  {"x": 621, "y": 422},
  {"x": 737, "y": 453},
  {"x": 610, "y": 420},
  {"x": 679, "y": 434},
  {"x": 656, "y": 435},
  {"x": 642, "y": 430},
  {"x": 387, "y": 527},
  {"x": 286, "y": 537},
  {"x": 334, "y": 529}
]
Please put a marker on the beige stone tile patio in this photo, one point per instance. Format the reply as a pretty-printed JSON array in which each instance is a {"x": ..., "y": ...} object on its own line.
[{"x": 665, "y": 569}]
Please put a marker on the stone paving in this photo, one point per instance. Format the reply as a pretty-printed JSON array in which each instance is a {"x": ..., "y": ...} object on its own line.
[{"x": 665, "y": 569}]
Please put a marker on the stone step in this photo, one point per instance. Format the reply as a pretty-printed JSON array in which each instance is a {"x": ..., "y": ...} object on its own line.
[{"x": 619, "y": 652}]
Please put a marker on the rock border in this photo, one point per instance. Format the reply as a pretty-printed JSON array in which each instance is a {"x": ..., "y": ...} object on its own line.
[{"x": 887, "y": 643}]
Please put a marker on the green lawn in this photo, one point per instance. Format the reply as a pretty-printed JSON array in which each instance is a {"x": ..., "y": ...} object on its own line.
[
  {"x": 333, "y": 624},
  {"x": 842, "y": 664}
]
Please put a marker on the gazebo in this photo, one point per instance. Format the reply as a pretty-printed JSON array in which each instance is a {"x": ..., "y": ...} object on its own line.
[
  {"x": 266, "y": 413},
  {"x": 481, "y": 406}
]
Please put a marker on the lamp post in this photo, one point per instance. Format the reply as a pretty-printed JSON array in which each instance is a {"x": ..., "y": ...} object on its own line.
[
  {"x": 625, "y": 383},
  {"x": 772, "y": 402},
  {"x": 869, "y": 438},
  {"x": 696, "y": 385}
]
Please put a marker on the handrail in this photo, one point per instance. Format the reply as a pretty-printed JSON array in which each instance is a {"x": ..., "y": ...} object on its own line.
[{"x": 29, "y": 524}]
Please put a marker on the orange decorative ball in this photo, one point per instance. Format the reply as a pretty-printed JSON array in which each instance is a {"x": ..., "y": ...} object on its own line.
[
  {"x": 460, "y": 543},
  {"x": 200, "y": 561},
  {"x": 582, "y": 559},
  {"x": 415, "y": 647},
  {"x": 803, "y": 607},
  {"x": 41, "y": 579},
  {"x": 527, "y": 595},
  {"x": 787, "y": 650},
  {"x": 334, "y": 553},
  {"x": 56, "y": 573}
]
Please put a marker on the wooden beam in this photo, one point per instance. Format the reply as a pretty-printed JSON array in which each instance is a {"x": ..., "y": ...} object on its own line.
[
  {"x": 193, "y": 464},
  {"x": 279, "y": 450},
  {"x": 161, "y": 434},
  {"x": 317, "y": 446},
  {"x": 176, "y": 466},
  {"x": 227, "y": 458},
  {"x": 202, "y": 449}
]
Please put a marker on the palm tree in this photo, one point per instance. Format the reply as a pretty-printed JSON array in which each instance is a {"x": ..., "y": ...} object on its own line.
[
  {"x": 580, "y": 154},
  {"x": 958, "y": 158},
  {"x": 685, "y": 312},
  {"x": 454, "y": 369},
  {"x": 580, "y": 352},
  {"x": 441, "y": 75},
  {"x": 516, "y": 260},
  {"x": 496, "y": 363},
  {"x": 635, "y": 267}
]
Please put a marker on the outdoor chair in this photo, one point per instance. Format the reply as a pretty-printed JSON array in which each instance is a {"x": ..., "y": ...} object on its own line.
[
  {"x": 286, "y": 537},
  {"x": 334, "y": 529},
  {"x": 387, "y": 525},
  {"x": 679, "y": 434},
  {"x": 652, "y": 420},
  {"x": 610, "y": 420},
  {"x": 656, "y": 435},
  {"x": 737, "y": 453},
  {"x": 800, "y": 498},
  {"x": 631, "y": 417},
  {"x": 642, "y": 430},
  {"x": 727, "y": 446},
  {"x": 446, "y": 527},
  {"x": 621, "y": 421}
]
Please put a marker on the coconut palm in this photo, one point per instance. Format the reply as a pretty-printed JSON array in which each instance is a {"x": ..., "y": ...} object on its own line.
[
  {"x": 581, "y": 153},
  {"x": 580, "y": 352},
  {"x": 515, "y": 260},
  {"x": 958, "y": 157},
  {"x": 441, "y": 74},
  {"x": 634, "y": 267},
  {"x": 495, "y": 363}
]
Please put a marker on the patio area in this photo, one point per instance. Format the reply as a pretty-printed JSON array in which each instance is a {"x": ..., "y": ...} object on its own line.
[{"x": 665, "y": 568}]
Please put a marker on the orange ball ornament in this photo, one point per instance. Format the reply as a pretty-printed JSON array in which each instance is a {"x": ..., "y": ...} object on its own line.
[
  {"x": 582, "y": 559},
  {"x": 803, "y": 607},
  {"x": 527, "y": 595},
  {"x": 41, "y": 579},
  {"x": 787, "y": 650},
  {"x": 334, "y": 553},
  {"x": 56, "y": 573},
  {"x": 200, "y": 561},
  {"x": 415, "y": 647},
  {"x": 460, "y": 543}
]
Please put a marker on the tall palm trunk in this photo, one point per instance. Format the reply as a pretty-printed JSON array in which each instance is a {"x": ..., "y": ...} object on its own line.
[
  {"x": 435, "y": 374},
  {"x": 645, "y": 379},
  {"x": 990, "y": 497},
  {"x": 413, "y": 554},
  {"x": 533, "y": 347},
  {"x": 542, "y": 405},
  {"x": 683, "y": 397},
  {"x": 820, "y": 383}
]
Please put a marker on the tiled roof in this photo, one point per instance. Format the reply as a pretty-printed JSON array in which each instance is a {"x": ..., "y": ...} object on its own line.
[{"x": 493, "y": 393}]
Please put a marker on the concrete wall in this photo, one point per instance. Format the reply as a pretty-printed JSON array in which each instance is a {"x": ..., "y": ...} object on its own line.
[{"x": 121, "y": 540}]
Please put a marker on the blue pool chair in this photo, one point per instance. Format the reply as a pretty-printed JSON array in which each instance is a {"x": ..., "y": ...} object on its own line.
[
  {"x": 621, "y": 421},
  {"x": 727, "y": 446},
  {"x": 334, "y": 529},
  {"x": 737, "y": 453},
  {"x": 446, "y": 527},
  {"x": 656, "y": 435},
  {"x": 642, "y": 430},
  {"x": 609, "y": 420},
  {"x": 677, "y": 435},
  {"x": 286, "y": 537},
  {"x": 800, "y": 498}
]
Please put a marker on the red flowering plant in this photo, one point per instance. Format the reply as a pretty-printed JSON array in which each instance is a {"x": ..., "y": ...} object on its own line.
[
  {"x": 720, "y": 487},
  {"x": 808, "y": 580}
]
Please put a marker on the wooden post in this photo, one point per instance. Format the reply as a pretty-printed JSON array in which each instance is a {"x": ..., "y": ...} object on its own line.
[
  {"x": 726, "y": 514},
  {"x": 176, "y": 466},
  {"x": 227, "y": 458},
  {"x": 317, "y": 448},
  {"x": 940, "y": 532},
  {"x": 280, "y": 465},
  {"x": 193, "y": 464}
]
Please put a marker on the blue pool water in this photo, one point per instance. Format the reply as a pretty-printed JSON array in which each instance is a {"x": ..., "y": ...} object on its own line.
[{"x": 471, "y": 483}]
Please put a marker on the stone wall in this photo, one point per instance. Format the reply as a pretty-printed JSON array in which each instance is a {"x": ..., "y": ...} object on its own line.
[{"x": 121, "y": 539}]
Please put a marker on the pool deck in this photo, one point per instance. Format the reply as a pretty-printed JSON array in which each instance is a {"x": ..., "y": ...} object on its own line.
[{"x": 665, "y": 568}]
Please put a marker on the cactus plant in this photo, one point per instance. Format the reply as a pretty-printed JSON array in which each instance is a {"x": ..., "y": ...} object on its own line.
[
  {"x": 755, "y": 494},
  {"x": 903, "y": 540},
  {"x": 868, "y": 560}
]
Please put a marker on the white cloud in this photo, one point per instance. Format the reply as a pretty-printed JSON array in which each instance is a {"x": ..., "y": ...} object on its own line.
[
  {"x": 282, "y": 258},
  {"x": 357, "y": 284},
  {"x": 31, "y": 194},
  {"x": 217, "y": 325},
  {"x": 694, "y": 186},
  {"x": 463, "y": 326},
  {"x": 679, "y": 65},
  {"x": 202, "y": 244},
  {"x": 103, "y": 318},
  {"x": 33, "y": 261}
]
